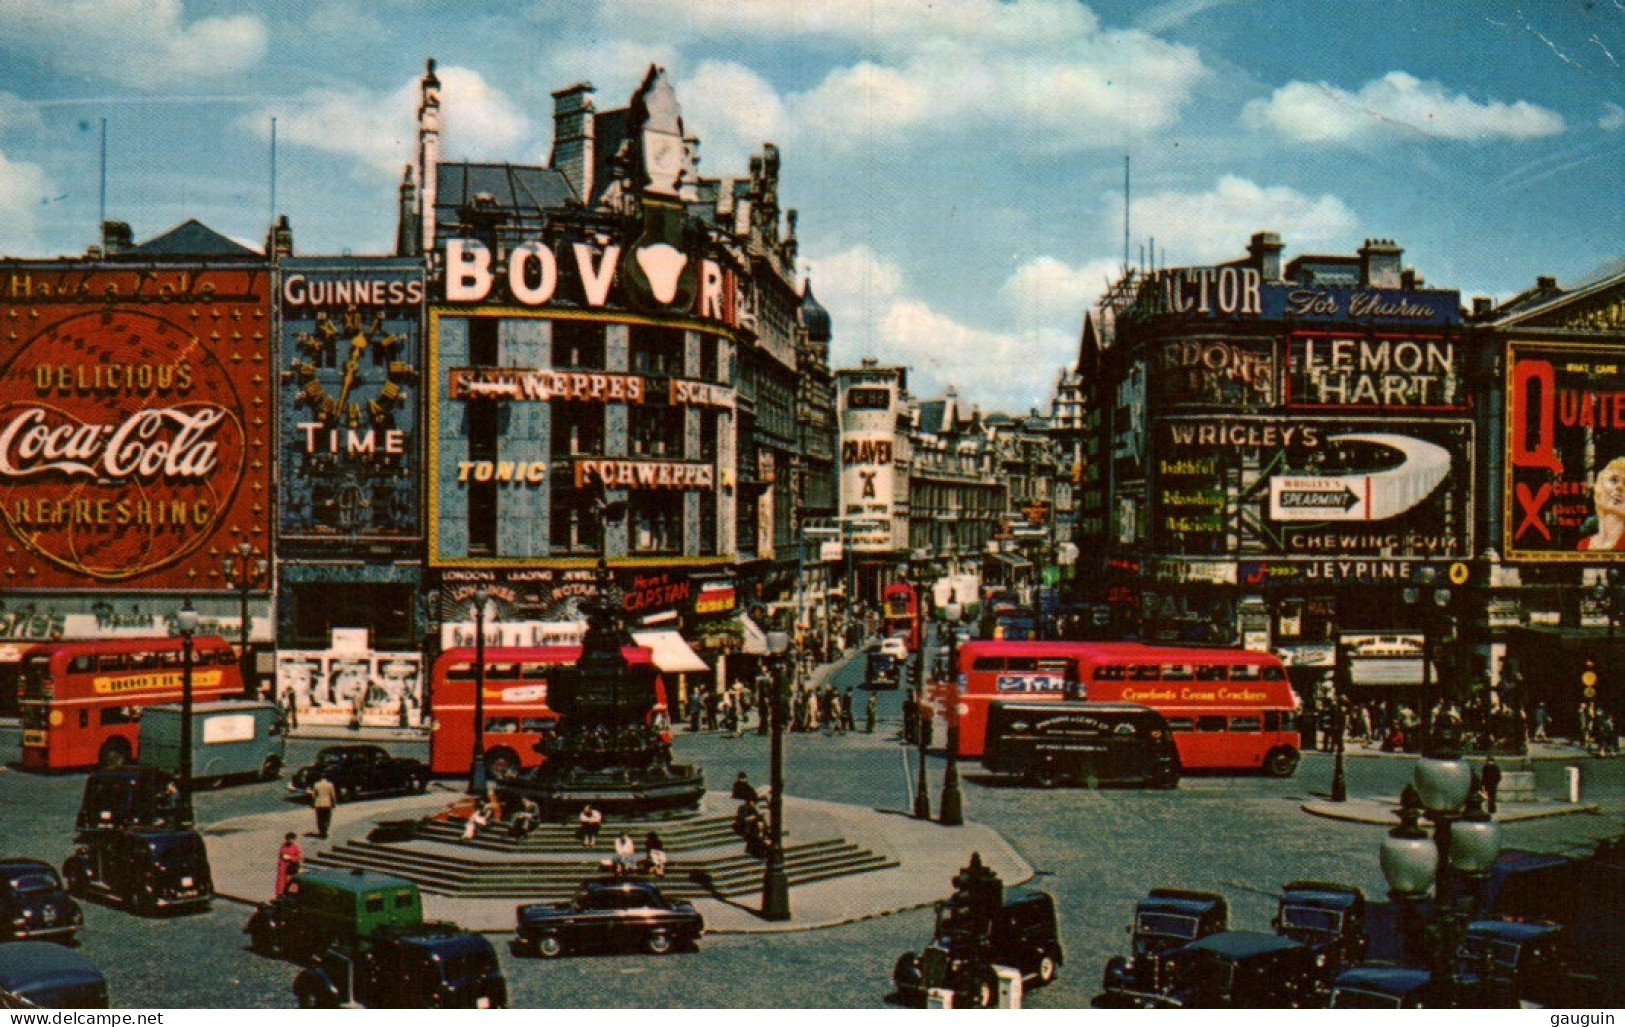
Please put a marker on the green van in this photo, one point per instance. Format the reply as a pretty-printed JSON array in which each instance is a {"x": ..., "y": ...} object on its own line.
[
  {"x": 326, "y": 907},
  {"x": 230, "y": 740}
]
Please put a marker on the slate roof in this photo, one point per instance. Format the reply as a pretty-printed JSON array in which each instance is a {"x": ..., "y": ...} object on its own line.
[{"x": 190, "y": 238}]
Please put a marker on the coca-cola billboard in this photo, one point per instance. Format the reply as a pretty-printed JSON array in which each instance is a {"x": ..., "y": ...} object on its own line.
[{"x": 134, "y": 413}]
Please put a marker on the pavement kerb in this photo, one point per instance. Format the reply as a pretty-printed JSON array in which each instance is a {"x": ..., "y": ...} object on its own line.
[{"x": 1381, "y": 811}]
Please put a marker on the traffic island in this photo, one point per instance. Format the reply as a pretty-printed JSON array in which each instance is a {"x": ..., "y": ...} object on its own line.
[
  {"x": 845, "y": 863},
  {"x": 1384, "y": 811}
]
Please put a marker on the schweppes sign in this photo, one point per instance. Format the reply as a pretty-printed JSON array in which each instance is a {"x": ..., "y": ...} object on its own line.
[{"x": 158, "y": 681}]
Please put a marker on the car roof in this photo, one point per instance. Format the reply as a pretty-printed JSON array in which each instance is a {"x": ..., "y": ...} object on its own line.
[
  {"x": 1512, "y": 929},
  {"x": 354, "y": 880},
  {"x": 339, "y": 750},
  {"x": 19, "y": 863},
  {"x": 1174, "y": 900},
  {"x": 27, "y": 963},
  {"x": 1321, "y": 894},
  {"x": 1388, "y": 980},
  {"x": 1243, "y": 944},
  {"x": 610, "y": 884}
]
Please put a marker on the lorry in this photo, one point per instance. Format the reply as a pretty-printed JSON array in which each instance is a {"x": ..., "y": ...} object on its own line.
[{"x": 231, "y": 740}]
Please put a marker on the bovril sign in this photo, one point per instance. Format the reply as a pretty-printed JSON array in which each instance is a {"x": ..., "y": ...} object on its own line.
[{"x": 591, "y": 275}]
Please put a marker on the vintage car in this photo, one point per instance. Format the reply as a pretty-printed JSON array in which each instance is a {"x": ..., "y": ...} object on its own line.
[
  {"x": 148, "y": 869},
  {"x": 40, "y": 975},
  {"x": 1165, "y": 920},
  {"x": 124, "y": 796},
  {"x": 1239, "y": 970},
  {"x": 33, "y": 903},
  {"x": 606, "y": 915},
  {"x": 881, "y": 672},
  {"x": 896, "y": 647},
  {"x": 1508, "y": 964},
  {"x": 321, "y": 908},
  {"x": 1391, "y": 987},
  {"x": 422, "y": 966},
  {"x": 1023, "y": 935},
  {"x": 1330, "y": 920},
  {"x": 358, "y": 770}
]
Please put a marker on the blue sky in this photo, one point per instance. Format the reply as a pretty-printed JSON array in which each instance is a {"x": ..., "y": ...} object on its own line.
[{"x": 958, "y": 164}]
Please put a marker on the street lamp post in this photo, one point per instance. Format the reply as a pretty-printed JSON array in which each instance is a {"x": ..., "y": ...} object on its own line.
[
  {"x": 922, "y": 790},
  {"x": 186, "y": 622},
  {"x": 476, "y": 773},
  {"x": 1340, "y": 669},
  {"x": 431, "y": 648},
  {"x": 775, "y": 882},
  {"x": 953, "y": 803},
  {"x": 243, "y": 572}
]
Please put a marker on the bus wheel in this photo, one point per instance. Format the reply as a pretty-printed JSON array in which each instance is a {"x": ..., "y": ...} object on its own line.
[
  {"x": 115, "y": 753},
  {"x": 1044, "y": 775},
  {"x": 271, "y": 769},
  {"x": 1280, "y": 763},
  {"x": 500, "y": 764}
]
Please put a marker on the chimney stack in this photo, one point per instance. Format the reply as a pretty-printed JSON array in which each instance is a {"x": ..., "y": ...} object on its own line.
[
  {"x": 573, "y": 138},
  {"x": 280, "y": 242},
  {"x": 1380, "y": 264},
  {"x": 116, "y": 238},
  {"x": 428, "y": 153},
  {"x": 1265, "y": 251}
]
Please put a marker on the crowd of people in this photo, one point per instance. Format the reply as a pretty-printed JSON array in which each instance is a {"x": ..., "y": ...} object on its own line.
[{"x": 1396, "y": 727}]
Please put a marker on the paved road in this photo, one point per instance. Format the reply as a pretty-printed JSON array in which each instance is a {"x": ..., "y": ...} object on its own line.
[{"x": 1096, "y": 850}]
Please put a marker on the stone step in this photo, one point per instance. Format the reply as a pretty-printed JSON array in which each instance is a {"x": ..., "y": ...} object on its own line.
[{"x": 698, "y": 834}]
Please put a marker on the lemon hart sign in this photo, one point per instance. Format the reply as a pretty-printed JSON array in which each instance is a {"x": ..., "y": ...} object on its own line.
[{"x": 133, "y": 423}]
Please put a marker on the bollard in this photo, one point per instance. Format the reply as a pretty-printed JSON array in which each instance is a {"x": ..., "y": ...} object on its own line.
[
  {"x": 1009, "y": 987},
  {"x": 1574, "y": 784}
]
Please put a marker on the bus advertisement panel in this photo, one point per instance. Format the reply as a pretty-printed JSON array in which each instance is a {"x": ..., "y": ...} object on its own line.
[
  {"x": 82, "y": 701},
  {"x": 517, "y": 716},
  {"x": 1228, "y": 709}
]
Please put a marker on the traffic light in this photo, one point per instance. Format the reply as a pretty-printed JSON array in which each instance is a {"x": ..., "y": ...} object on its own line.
[{"x": 978, "y": 893}]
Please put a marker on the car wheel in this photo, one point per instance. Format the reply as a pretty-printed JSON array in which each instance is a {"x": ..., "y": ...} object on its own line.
[
  {"x": 74, "y": 877},
  {"x": 115, "y": 753},
  {"x": 138, "y": 902},
  {"x": 549, "y": 946},
  {"x": 266, "y": 942},
  {"x": 308, "y": 999},
  {"x": 417, "y": 784},
  {"x": 271, "y": 769},
  {"x": 1047, "y": 969},
  {"x": 1280, "y": 763},
  {"x": 658, "y": 943},
  {"x": 982, "y": 991}
]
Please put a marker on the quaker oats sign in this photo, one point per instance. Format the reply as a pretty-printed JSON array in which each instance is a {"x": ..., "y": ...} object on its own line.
[{"x": 133, "y": 424}]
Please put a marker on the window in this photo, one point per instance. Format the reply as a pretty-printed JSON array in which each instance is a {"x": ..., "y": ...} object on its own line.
[
  {"x": 375, "y": 903},
  {"x": 578, "y": 430},
  {"x": 1211, "y": 672},
  {"x": 578, "y": 345},
  {"x": 143, "y": 661},
  {"x": 403, "y": 900},
  {"x": 655, "y": 350},
  {"x": 995, "y": 663},
  {"x": 1209, "y": 725},
  {"x": 708, "y": 358},
  {"x": 1144, "y": 672},
  {"x": 708, "y": 434},
  {"x": 574, "y": 526},
  {"x": 482, "y": 427},
  {"x": 1177, "y": 672},
  {"x": 1179, "y": 725},
  {"x": 111, "y": 661},
  {"x": 81, "y": 664},
  {"x": 460, "y": 672},
  {"x": 482, "y": 341},
  {"x": 657, "y": 522},
  {"x": 708, "y": 524},
  {"x": 1245, "y": 672},
  {"x": 113, "y": 716},
  {"x": 655, "y": 431},
  {"x": 502, "y": 672},
  {"x": 1247, "y": 724}
]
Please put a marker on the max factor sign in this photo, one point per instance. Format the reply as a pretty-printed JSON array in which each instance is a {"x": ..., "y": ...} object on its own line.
[{"x": 1241, "y": 292}]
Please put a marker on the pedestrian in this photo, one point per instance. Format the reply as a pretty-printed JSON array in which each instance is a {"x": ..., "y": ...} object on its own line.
[
  {"x": 695, "y": 706},
  {"x": 293, "y": 709},
  {"x": 288, "y": 860},
  {"x": 837, "y": 713},
  {"x": 524, "y": 819},
  {"x": 1491, "y": 779},
  {"x": 1541, "y": 717},
  {"x": 626, "y": 855},
  {"x": 1607, "y": 735},
  {"x": 588, "y": 824},
  {"x": 657, "y": 854},
  {"x": 478, "y": 817},
  {"x": 743, "y": 791},
  {"x": 911, "y": 718},
  {"x": 871, "y": 711},
  {"x": 847, "y": 712},
  {"x": 323, "y": 797}
]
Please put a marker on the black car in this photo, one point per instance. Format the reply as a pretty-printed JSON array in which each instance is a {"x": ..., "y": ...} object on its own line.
[
  {"x": 33, "y": 903},
  {"x": 1239, "y": 970},
  {"x": 124, "y": 796},
  {"x": 1507, "y": 965},
  {"x": 39, "y": 975},
  {"x": 149, "y": 869},
  {"x": 605, "y": 915},
  {"x": 961, "y": 957},
  {"x": 358, "y": 770},
  {"x": 881, "y": 672},
  {"x": 1165, "y": 920},
  {"x": 1330, "y": 919},
  {"x": 1391, "y": 987},
  {"x": 421, "y": 966}
]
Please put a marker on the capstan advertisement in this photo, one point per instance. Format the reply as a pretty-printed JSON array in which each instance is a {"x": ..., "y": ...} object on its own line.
[{"x": 134, "y": 414}]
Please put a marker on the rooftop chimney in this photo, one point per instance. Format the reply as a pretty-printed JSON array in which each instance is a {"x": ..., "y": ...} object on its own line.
[
  {"x": 573, "y": 137},
  {"x": 280, "y": 242},
  {"x": 1380, "y": 264},
  {"x": 1482, "y": 305},
  {"x": 1265, "y": 251},
  {"x": 116, "y": 237},
  {"x": 1545, "y": 283},
  {"x": 428, "y": 153}
]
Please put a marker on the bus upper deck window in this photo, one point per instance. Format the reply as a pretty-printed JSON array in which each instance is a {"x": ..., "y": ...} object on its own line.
[
  {"x": 170, "y": 658},
  {"x": 1244, "y": 672},
  {"x": 143, "y": 661},
  {"x": 1274, "y": 673},
  {"x": 81, "y": 664},
  {"x": 988, "y": 663},
  {"x": 1144, "y": 672},
  {"x": 1176, "y": 672},
  {"x": 1211, "y": 672},
  {"x": 535, "y": 671},
  {"x": 111, "y": 661}
]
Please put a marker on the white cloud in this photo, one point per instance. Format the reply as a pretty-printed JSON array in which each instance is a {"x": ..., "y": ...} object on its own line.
[
  {"x": 733, "y": 111},
  {"x": 144, "y": 43},
  {"x": 1216, "y": 224},
  {"x": 1612, "y": 118},
  {"x": 380, "y": 130},
  {"x": 16, "y": 113},
  {"x": 1040, "y": 311},
  {"x": 1041, "y": 75},
  {"x": 1397, "y": 103},
  {"x": 23, "y": 188}
]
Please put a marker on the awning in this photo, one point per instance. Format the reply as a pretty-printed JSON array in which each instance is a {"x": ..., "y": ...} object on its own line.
[
  {"x": 1399, "y": 673},
  {"x": 671, "y": 653},
  {"x": 755, "y": 637}
]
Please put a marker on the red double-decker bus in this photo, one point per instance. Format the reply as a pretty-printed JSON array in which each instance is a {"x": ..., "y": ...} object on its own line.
[
  {"x": 1228, "y": 709},
  {"x": 517, "y": 716},
  {"x": 82, "y": 701},
  {"x": 900, "y": 614}
]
